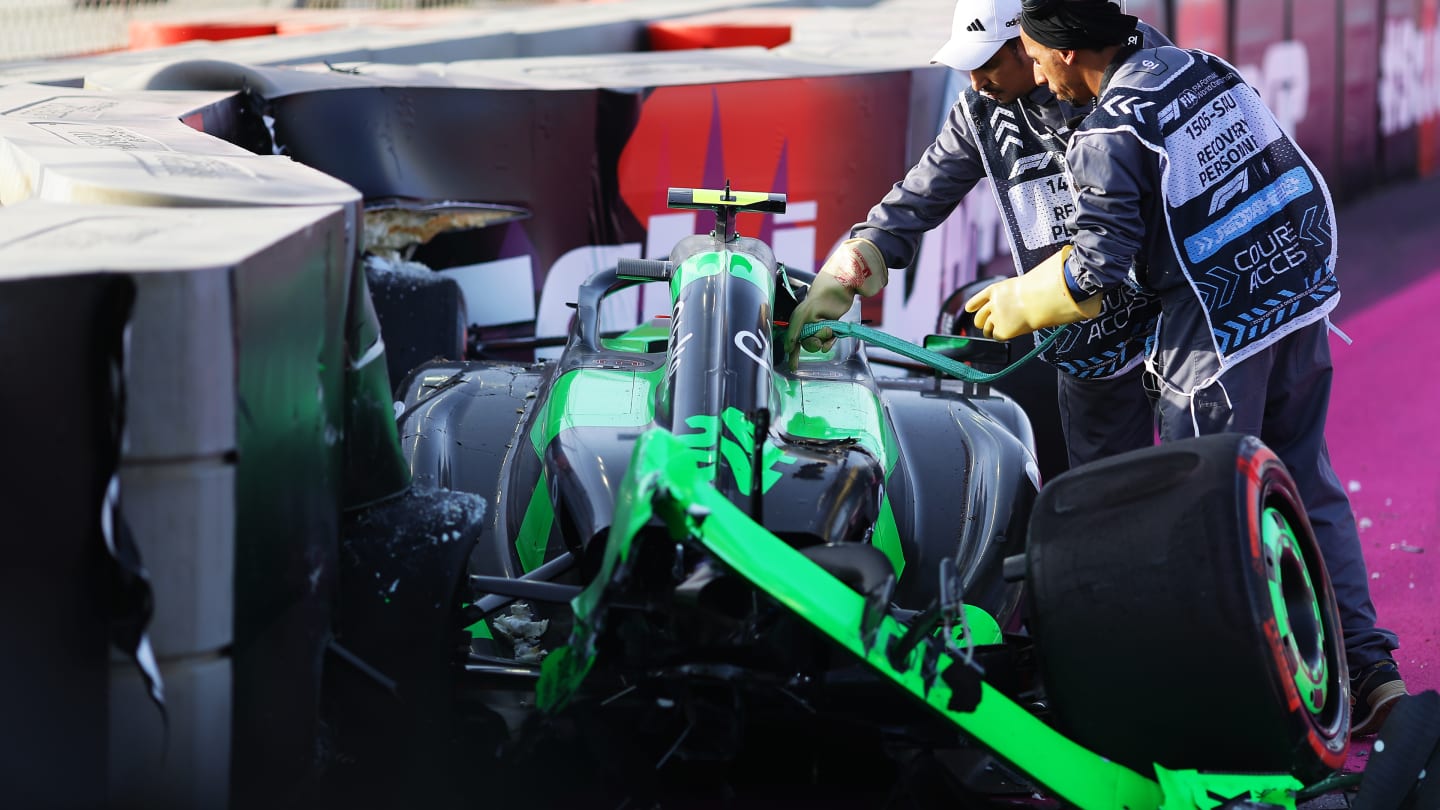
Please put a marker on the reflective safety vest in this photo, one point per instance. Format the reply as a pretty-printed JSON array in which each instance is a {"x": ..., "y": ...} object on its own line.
[
  {"x": 1026, "y": 164},
  {"x": 1251, "y": 221}
]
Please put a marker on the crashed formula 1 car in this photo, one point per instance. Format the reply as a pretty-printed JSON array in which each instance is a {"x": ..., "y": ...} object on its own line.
[{"x": 703, "y": 575}]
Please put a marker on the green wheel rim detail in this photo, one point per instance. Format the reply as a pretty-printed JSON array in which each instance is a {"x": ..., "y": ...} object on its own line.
[
  {"x": 1296, "y": 608},
  {"x": 663, "y": 487}
]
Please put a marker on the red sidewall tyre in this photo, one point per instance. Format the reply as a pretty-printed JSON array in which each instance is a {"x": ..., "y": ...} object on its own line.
[{"x": 1182, "y": 613}]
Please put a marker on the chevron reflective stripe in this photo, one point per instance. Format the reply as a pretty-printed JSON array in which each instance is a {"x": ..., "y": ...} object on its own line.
[
  {"x": 1324, "y": 290},
  {"x": 1311, "y": 225},
  {"x": 1101, "y": 365},
  {"x": 1126, "y": 105},
  {"x": 1258, "y": 321},
  {"x": 1229, "y": 281},
  {"x": 1006, "y": 131},
  {"x": 1236, "y": 333},
  {"x": 1275, "y": 312}
]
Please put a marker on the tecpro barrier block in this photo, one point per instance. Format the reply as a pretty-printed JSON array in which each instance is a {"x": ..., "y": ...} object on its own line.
[
  {"x": 182, "y": 517},
  {"x": 183, "y": 761},
  {"x": 282, "y": 275}
]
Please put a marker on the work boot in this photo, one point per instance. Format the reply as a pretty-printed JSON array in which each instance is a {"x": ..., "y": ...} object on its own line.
[{"x": 1374, "y": 691}]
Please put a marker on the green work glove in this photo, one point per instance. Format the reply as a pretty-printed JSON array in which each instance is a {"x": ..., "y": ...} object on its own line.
[
  {"x": 856, "y": 267},
  {"x": 1033, "y": 301}
]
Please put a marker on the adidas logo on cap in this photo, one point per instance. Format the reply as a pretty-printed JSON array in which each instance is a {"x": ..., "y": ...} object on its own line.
[{"x": 978, "y": 28}]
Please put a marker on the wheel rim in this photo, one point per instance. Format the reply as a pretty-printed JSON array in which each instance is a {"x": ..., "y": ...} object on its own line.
[{"x": 1296, "y": 609}]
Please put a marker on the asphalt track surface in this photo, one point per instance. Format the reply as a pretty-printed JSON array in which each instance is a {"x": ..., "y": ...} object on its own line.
[
  {"x": 1385, "y": 410},
  {"x": 1384, "y": 425}
]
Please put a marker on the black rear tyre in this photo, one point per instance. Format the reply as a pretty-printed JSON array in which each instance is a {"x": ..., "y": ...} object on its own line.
[
  {"x": 1401, "y": 773},
  {"x": 1183, "y": 615}
]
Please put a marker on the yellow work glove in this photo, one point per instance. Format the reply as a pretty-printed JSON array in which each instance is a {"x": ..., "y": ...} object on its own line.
[
  {"x": 1037, "y": 299},
  {"x": 855, "y": 267}
]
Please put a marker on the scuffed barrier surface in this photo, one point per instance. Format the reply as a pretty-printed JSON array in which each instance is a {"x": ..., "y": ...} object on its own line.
[{"x": 241, "y": 315}]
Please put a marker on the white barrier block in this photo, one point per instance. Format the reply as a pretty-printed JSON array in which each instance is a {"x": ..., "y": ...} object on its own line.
[
  {"x": 182, "y": 516},
  {"x": 182, "y": 366},
  {"x": 35, "y": 102},
  {"x": 161, "y": 163},
  {"x": 181, "y": 371},
  {"x": 186, "y": 765}
]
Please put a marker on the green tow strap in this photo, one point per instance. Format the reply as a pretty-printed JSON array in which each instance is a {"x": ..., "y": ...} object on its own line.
[{"x": 935, "y": 360}]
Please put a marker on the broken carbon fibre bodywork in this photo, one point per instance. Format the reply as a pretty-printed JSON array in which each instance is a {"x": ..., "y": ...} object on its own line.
[{"x": 691, "y": 552}]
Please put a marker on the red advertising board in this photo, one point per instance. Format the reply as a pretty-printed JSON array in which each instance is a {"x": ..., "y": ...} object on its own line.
[
  {"x": 1429, "y": 156},
  {"x": 1203, "y": 24},
  {"x": 833, "y": 145}
]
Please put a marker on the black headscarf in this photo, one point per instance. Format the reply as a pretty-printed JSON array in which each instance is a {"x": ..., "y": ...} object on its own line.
[{"x": 1076, "y": 24}]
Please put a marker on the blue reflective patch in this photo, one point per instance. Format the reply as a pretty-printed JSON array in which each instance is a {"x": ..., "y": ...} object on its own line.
[{"x": 1265, "y": 203}]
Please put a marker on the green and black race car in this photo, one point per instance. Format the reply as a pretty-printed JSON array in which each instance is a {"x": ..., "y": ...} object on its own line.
[{"x": 703, "y": 575}]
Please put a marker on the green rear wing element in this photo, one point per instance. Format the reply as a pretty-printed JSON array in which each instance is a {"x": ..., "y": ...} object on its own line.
[{"x": 662, "y": 485}]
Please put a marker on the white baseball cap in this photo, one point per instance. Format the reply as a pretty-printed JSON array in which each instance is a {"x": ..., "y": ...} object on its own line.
[{"x": 979, "y": 29}]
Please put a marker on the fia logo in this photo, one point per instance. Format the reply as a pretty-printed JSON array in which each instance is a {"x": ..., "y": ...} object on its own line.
[{"x": 1188, "y": 99}]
